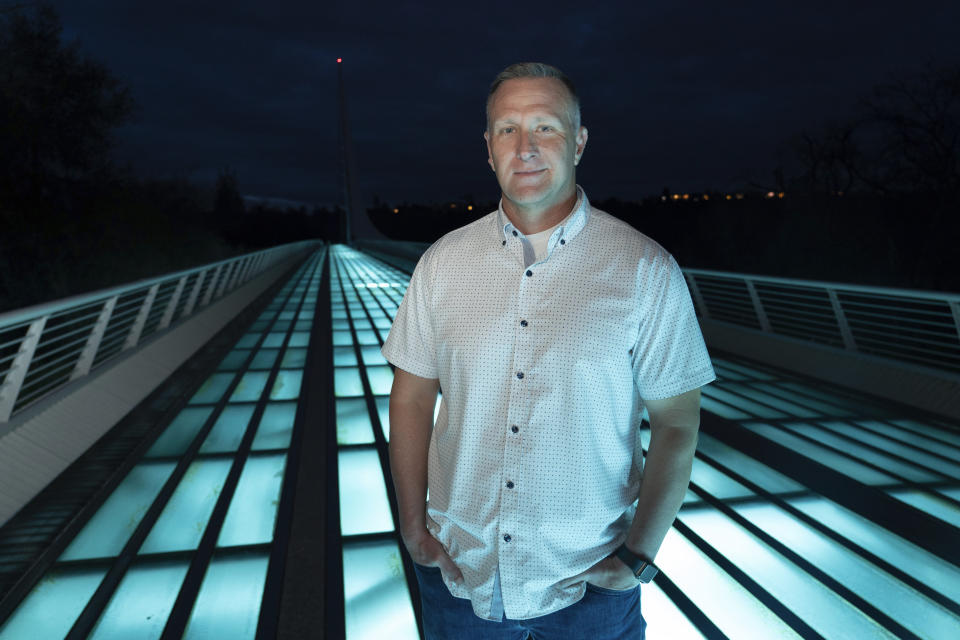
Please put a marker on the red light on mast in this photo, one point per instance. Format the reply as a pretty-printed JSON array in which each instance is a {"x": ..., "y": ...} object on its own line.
[{"x": 339, "y": 60}]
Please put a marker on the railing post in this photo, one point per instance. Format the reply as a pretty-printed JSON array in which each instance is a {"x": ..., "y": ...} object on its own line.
[
  {"x": 758, "y": 307},
  {"x": 225, "y": 278},
  {"x": 85, "y": 361},
  {"x": 172, "y": 304},
  {"x": 237, "y": 268},
  {"x": 137, "y": 327},
  {"x": 245, "y": 272},
  {"x": 10, "y": 388},
  {"x": 697, "y": 297},
  {"x": 845, "y": 333},
  {"x": 213, "y": 284},
  {"x": 194, "y": 294}
]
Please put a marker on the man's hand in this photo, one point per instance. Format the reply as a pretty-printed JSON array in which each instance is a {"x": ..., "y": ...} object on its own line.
[
  {"x": 427, "y": 551},
  {"x": 609, "y": 573}
]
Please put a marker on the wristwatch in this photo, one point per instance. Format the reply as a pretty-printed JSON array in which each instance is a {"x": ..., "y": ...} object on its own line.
[{"x": 642, "y": 568}]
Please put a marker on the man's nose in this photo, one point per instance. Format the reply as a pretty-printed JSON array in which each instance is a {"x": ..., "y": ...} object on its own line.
[{"x": 526, "y": 146}]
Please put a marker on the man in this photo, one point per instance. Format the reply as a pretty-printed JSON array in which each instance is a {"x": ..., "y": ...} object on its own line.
[{"x": 549, "y": 325}]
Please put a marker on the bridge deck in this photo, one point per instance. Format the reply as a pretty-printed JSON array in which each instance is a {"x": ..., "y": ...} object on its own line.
[{"x": 264, "y": 506}]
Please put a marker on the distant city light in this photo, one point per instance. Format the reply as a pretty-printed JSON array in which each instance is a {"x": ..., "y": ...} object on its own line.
[
  {"x": 339, "y": 60},
  {"x": 739, "y": 196},
  {"x": 453, "y": 206},
  {"x": 395, "y": 210},
  {"x": 676, "y": 196},
  {"x": 469, "y": 207},
  {"x": 728, "y": 197},
  {"x": 706, "y": 196},
  {"x": 781, "y": 194},
  {"x": 770, "y": 194},
  {"x": 686, "y": 196}
]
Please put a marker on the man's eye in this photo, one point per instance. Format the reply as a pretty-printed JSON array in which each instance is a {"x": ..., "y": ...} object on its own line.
[
  {"x": 507, "y": 130},
  {"x": 546, "y": 127}
]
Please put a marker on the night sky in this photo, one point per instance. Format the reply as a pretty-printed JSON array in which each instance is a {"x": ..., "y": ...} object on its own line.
[{"x": 689, "y": 95}]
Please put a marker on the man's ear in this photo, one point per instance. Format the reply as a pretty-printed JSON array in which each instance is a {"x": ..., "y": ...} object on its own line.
[
  {"x": 581, "y": 140},
  {"x": 486, "y": 137}
]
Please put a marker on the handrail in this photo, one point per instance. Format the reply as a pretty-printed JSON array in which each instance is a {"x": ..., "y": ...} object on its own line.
[
  {"x": 921, "y": 328},
  {"x": 29, "y": 336}
]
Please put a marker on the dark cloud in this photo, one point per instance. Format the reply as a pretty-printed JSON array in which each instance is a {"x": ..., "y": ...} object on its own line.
[{"x": 686, "y": 94}]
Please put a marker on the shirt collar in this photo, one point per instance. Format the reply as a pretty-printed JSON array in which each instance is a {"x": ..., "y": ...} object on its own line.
[{"x": 567, "y": 229}]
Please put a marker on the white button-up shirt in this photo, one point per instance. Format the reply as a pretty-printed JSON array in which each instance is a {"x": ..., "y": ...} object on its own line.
[{"x": 533, "y": 464}]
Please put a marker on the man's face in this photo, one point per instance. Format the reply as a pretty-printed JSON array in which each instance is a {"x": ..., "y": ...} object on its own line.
[{"x": 532, "y": 142}]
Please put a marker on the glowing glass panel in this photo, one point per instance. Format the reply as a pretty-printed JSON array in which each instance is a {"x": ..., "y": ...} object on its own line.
[
  {"x": 286, "y": 386},
  {"x": 294, "y": 358},
  {"x": 342, "y": 338},
  {"x": 274, "y": 339},
  {"x": 265, "y": 359},
  {"x": 228, "y": 605},
  {"x": 346, "y": 382},
  {"x": 253, "y": 509},
  {"x": 381, "y": 380},
  {"x": 833, "y": 460},
  {"x": 722, "y": 599},
  {"x": 926, "y": 567},
  {"x": 361, "y": 324},
  {"x": 824, "y": 407},
  {"x": 722, "y": 410},
  {"x": 750, "y": 372},
  {"x": 751, "y": 469},
  {"x": 213, "y": 389},
  {"x": 142, "y": 602},
  {"x": 234, "y": 360},
  {"x": 276, "y": 426},
  {"x": 931, "y": 431},
  {"x": 367, "y": 337},
  {"x": 51, "y": 608},
  {"x": 777, "y": 402},
  {"x": 184, "y": 518},
  {"x": 344, "y": 356},
  {"x": 299, "y": 339},
  {"x": 249, "y": 340},
  {"x": 751, "y": 407},
  {"x": 115, "y": 521},
  {"x": 228, "y": 430},
  {"x": 353, "y": 422},
  {"x": 928, "y": 444},
  {"x": 376, "y": 599},
  {"x": 664, "y": 619},
  {"x": 250, "y": 387},
  {"x": 886, "y": 593},
  {"x": 371, "y": 355},
  {"x": 931, "y": 503},
  {"x": 364, "y": 507},
  {"x": 180, "y": 432},
  {"x": 828, "y": 438},
  {"x": 817, "y": 605},
  {"x": 383, "y": 412},
  {"x": 896, "y": 447}
]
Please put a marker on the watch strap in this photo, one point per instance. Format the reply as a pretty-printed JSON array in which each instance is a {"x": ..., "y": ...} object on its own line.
[{"x": 643, "y": 568}]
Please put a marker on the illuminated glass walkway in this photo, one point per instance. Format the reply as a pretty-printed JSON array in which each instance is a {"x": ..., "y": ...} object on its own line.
[{"x": 854, "y": 535}]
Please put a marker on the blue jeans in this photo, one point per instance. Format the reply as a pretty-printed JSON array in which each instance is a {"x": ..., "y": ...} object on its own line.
[{"x": 602, "y": 614}]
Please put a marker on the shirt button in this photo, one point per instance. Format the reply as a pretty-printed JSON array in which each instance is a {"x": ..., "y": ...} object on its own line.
[
  {"x": 509, "y": 484},
  {"x": 529, "y": 273},
  {"x": 506, "y": 537},
  {"x": 562, "y": 241},
  {"x": 515, "y": 428},
  {"x": 504, "y": 243},
  {"x": 523, "y": 323},
  {"x": 514, "y": 232},
  {"x": 520, "y": 375}
]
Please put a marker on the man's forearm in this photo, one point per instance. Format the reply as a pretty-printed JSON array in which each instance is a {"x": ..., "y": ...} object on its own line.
[
  {"x": 666, "y": 476},
  {"x": 410, "y": 428}
]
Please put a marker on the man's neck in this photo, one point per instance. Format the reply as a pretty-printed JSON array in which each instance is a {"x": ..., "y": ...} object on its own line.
[{"x": 533, "y": 219}]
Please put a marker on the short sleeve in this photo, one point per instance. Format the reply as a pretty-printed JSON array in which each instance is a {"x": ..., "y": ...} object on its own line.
[
  {"x": 410, "y": 344},
  {"x": 670, "y": 356}
]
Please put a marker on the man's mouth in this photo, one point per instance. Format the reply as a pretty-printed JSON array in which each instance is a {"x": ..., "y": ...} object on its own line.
[{"x": 525, "y": 174}]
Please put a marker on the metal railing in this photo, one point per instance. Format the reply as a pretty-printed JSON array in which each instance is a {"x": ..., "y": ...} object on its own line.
[
  {"x": 47, "y": 346},
  {"x": 918, "y": 327}
]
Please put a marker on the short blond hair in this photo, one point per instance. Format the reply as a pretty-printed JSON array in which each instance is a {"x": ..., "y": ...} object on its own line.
[{"x": 536, "y": 70}]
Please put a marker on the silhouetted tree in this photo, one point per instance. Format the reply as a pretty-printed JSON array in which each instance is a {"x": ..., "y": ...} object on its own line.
[
  {"x": 228, "y": 203},
  {"x": 57, "y": 106}
]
